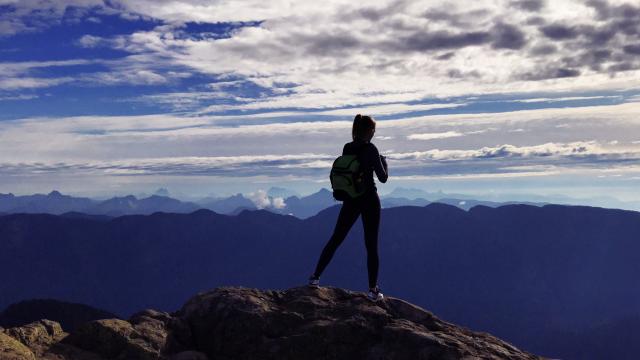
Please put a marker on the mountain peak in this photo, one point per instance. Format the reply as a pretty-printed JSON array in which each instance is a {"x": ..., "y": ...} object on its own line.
[
  {"x": 55, "y": 193},
  {"x": 243, "y": 323},
  {"x": 162, "y": 192}
]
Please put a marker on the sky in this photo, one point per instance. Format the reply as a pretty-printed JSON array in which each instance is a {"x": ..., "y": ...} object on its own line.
[{"x": 200, "y": 97}]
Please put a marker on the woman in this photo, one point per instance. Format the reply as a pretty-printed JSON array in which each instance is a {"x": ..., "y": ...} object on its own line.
[{"x": 367, "y": 204}]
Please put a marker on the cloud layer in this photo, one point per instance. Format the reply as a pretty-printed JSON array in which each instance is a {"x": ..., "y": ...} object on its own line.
[
  {"x": 267, "y": 90},
  {"x": 304, "y": 55}
]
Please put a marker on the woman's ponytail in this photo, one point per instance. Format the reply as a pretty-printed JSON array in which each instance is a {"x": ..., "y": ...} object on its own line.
[{"x": 361, "y": 126}]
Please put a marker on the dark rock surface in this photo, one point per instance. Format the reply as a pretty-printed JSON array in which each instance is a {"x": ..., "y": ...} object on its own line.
[{"x": 242, "y": 323}]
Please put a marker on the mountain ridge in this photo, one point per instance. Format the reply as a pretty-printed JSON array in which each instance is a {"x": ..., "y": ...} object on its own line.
[{"x": 520, "y": 272}]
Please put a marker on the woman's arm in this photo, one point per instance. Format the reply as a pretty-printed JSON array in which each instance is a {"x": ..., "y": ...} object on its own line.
[{"x": 379, "y": 165}]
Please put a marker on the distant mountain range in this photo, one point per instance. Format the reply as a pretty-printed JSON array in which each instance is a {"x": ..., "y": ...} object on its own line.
[
  {"x": 525, "y": 273},
  {"x": 296, "y": 205}
]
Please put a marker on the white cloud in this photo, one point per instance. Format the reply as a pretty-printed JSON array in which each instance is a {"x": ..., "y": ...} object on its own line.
[
  {"x": 322, "y": 56},
  {"x": 137, "y": 147},
  {"x": 432, "y": 136},
  {"x": 262, "y": 200},
  {"x": 326, "y": 56},
  {"x": 567, "y": 98},
  {"x": 386, "y": 109},
  {"x": 576, "y": 149},
  {"x": 31, "y": 83},
  {"x": 90, "y": 41},
  {"x": 18, "y": 97},
  {"x": 278, "y": 203}
]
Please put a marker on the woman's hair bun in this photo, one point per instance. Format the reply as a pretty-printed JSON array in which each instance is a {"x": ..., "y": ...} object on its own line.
[{"x": 362, "y": 124}]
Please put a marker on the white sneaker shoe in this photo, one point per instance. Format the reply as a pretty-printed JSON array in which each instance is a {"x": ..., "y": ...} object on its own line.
[
  {"x": 375, "y": 294},
  {"x": 314, "y": 282}
]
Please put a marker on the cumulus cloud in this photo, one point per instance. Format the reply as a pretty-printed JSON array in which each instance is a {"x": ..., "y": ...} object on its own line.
[{"x": 262, "y": 200}]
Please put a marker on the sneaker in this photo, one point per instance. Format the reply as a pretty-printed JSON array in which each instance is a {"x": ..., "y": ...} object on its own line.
[
  {"x": 314, "y": 281},
  {"x": 375, "y": 294}
]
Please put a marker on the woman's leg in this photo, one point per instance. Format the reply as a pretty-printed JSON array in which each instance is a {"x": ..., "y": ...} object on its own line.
[
  {"x": 371, "y": 224},
  {"x": 348, "y": 215}
]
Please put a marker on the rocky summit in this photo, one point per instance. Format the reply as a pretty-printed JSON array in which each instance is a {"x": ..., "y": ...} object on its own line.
[{"x": 240, "y": 323}]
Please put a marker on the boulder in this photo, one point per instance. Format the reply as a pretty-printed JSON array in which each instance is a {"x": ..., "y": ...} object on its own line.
[
  {"x": 327, "y": 323},
  {"x": 113, "y": 338},
  {"x": 12, "y": 349},
  {"x": 38, "y": 336}
]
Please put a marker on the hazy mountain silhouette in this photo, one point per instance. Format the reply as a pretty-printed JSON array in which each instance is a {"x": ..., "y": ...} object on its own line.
[
  {"x": 229, "y": 204},
  {"x": 52, "y": 203},
  {"x": 57, "y": 203},
  {"x": 410, "y": 193},
  {"x": 284, "y": 193},
  {"x": 467, "y": 204},
  {"x": 129, "y": 205},
  {"x": 69, "y": 315},
  {"x": 388, "y": 202},
  {"x": 299, "y": 206},
  {"x": 162, "y": 192},
  {"x": 306, "y": 206},
  {"x": 518, "y": 271}
]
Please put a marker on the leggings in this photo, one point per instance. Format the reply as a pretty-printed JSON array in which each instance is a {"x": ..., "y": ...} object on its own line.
[{"x": 369, "y": 206}]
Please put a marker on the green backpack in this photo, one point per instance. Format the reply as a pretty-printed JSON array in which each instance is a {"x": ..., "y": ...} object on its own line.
[{"x": 347, "y": 179}]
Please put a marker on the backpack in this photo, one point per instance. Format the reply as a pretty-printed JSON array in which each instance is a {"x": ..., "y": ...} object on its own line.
[{"x": 347, "y": 179}]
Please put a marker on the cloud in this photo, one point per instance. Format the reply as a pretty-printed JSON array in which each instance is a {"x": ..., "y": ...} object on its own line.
[
  {"x": 304, "y": 55},
  {"x": 31, "y": 83},
  {"x": 529, "y": 5},
  {"x": 550, "y": 72},
  {"x": 36, "y": 15},
  {"x": 574, "y": 149},
  {"x": 18, "y": 97},
  {"x": 90, "y": 41},
  {"x": 137, "y": 150},
  {"x": 508, "y": 37},
  {"x": 262, "y": 200},
  {"x": 278, "y": 203},
  {"x": 432, "y": 136},
  {"x": 559, "y": 32},
  {"x": 567, "y": 98}
]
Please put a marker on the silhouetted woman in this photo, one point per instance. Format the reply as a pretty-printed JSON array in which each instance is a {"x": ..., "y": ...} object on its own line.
[{"x": 367, "y": 205}]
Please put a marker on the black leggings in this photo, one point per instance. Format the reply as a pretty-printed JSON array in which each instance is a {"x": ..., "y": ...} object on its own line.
[{"x": 369, "y": 206}]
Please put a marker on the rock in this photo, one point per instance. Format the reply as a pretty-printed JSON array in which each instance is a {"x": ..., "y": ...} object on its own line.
[
  {"x": 151, "y": 326},
  {"x": 113, "y": 338},
  {"x": 12, "y": 349},
  {"x": 38, "y": 336},
  {"x": 327, "y": 323},
  {"x": 188, "y": 355},
  {"x": 240, "y": 323}
]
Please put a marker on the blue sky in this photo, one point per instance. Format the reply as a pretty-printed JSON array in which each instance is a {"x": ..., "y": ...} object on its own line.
[{"x": 101, "y": 98}]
